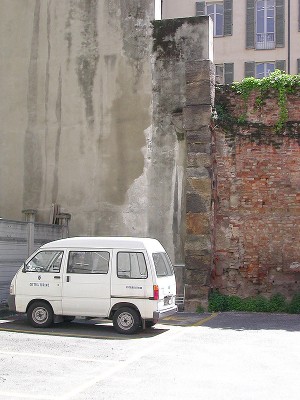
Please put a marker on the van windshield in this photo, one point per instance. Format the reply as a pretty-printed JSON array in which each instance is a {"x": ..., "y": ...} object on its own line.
[{"x": 163, "y": 266}]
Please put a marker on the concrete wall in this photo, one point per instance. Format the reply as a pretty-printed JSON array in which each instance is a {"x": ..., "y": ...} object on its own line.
[
  {"x": 79, "y": 126},
  {"x": 75, "y": 110}
]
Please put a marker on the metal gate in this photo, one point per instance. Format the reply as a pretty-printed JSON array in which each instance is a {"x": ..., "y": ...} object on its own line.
[{"x": 17, "y": 241}]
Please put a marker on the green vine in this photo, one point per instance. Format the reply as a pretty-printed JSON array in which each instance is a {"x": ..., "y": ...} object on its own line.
[{"x": 278, "y": 81}]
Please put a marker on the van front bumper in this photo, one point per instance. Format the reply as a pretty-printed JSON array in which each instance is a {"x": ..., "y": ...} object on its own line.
[
  {"x": 162, "y": 314},
  {"x": 11, "y": 302}
]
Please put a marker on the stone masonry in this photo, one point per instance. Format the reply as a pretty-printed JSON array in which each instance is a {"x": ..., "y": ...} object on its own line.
[{"x": 197, "y": 116}]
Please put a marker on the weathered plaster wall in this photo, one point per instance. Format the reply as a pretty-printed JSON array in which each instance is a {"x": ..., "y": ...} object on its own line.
[
  {"x": 83, "y": 124},
  {"x": 257, "y": 199},
  {"x": 75, "y": 109}
]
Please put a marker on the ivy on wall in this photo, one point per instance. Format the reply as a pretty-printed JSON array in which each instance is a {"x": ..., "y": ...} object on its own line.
[{"x": 277, "y": 81}]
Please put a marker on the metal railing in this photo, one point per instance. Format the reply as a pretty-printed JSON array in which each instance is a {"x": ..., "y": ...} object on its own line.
[{"x": 265, "y": 41}]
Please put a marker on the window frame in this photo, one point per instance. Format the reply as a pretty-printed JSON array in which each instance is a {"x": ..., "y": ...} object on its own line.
[
  {"x": 215, "y": 13},
  {"x": 267, "y": 38},
  {"x": 91, "y": 271},
  {"x": 131, "y": 252},
  {"x": 167, "y": 261},
  {"x": 265, "y": 64},
  {"x": 50, "y": 264}
]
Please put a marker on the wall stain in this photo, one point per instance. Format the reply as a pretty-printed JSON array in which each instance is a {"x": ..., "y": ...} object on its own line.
[
  {"x": 47, "y": 97},
  {"x": 126, "y": 139},
  {"x": 135, "y": 24},
  {"x": 57, "y": 144},
  {"x": 87, "y": 60},
  {"x": 32, "y": 145},
  {"x": 68, "y": 34}
]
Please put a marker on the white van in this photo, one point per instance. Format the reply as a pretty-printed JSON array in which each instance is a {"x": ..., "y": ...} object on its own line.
[{"x": 127, "y": 280}]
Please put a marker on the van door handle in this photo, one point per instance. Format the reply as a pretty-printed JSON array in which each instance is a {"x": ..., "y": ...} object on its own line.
[
  {"x": 57, "y": 277},
  {"x": 68, "y": 279}
]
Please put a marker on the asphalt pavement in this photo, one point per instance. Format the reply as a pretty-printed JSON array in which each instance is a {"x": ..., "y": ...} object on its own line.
[
  {"x": 249, "y": 356},
  {"x": 101, "y": 328}
]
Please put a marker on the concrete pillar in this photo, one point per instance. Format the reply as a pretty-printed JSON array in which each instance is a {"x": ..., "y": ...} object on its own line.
[
  {"x": 63, "y": 219},
  {"x": 29, "y": 217}
]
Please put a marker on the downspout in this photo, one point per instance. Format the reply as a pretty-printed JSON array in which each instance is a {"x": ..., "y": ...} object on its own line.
[{"x": 289, "y": 37}]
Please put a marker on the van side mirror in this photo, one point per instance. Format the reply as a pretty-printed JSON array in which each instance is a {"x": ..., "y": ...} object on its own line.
[{"x": 24, "y": 268}]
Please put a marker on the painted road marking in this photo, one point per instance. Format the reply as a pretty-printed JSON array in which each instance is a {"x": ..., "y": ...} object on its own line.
[
  {"x": 101, "y": 376},
  {"x": 42, "y": 355},
  {"x": 83, "y": 336},
  {"x": 202, "y": 321}
]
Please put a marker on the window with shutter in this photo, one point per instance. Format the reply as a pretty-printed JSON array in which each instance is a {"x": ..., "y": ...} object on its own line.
[
  {"x": 280, "y": 64},
  {"x": 298, "y": 66},
  {"x": 249, "y": 69},
  {"x": 219, "y": 74},
  {"x": 227, "y": 17},
  {"x": 200, "y": 8},
  {"x": 228, "y": 73},
  {"x": 280, "y": 23},
  {"x": 250, "y": 24},
  {"x": 265, "y": 24},
  {"x": 221, "y": 14},
  {"x": 216, "y": 12},
  {"x": 264, "y": 69}
]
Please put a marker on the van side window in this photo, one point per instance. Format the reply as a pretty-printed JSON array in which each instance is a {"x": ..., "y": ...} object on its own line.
[
  {"x": 131, "y": 265},
  {"x": 45, "y": 261},
  {"x": 162, "y": 263},
  {"x": 88, "y": 262}
]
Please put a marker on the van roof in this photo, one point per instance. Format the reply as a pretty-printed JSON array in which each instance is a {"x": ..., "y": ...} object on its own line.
[{"x": 107, "y": 242}]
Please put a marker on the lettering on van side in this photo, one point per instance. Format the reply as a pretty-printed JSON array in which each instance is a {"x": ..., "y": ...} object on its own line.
[
  {"x": 134, "y": 287},
  {"x": 40, "y": 284}
]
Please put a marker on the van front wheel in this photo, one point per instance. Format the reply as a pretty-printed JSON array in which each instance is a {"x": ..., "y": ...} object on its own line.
[
  {"x": 40, "y": 314},
  {"x": 126, "y": 320}
]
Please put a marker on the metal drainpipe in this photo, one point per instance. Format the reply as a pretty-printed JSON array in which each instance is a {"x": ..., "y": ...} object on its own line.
[{"x": 289, "y": 37}]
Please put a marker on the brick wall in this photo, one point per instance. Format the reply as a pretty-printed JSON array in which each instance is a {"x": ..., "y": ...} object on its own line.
[{"x": 256, "y": 196}]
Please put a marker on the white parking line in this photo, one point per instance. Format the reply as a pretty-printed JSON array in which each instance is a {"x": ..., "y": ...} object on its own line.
[
  {"x": 12, "y": 353},
  {"x": 16, "y": 395},
  {"x": 100, "y": 376}
]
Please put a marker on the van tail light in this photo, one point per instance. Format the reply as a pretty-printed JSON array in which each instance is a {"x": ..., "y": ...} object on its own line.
[{"x": 155, "y": 292}]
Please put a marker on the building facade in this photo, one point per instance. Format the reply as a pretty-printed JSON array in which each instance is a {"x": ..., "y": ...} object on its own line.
[{"x": 251, "y": 37}]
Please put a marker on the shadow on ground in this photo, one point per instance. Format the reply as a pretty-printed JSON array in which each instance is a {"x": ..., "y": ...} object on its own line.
[
  {"x": 254, "y": 321},
  {"x": 103, "y": 329},
  {"x": 93, "y": 329}
]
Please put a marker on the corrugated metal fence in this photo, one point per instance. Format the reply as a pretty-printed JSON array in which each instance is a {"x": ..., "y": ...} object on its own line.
[{"x": 17, "y": 241}]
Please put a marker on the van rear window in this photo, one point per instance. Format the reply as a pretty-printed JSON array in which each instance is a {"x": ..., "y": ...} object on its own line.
[
  {"x": 162, "y": 263},
  {"x": 131, "y": 265}
]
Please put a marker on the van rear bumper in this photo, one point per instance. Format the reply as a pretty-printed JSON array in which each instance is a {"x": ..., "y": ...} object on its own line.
[
  {"x": 11, "y": 302},
  {"x": 162, "y": 314}
]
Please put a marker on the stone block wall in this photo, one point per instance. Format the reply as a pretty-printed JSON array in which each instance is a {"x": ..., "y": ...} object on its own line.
[
  {"x": 197, "y": 116},
  {"x": 256, "y": 240}
]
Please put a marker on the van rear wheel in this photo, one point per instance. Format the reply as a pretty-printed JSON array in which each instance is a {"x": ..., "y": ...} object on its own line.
[
  {"x": 40, "y": 314},
  {"x": 126, "y": 320}
]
